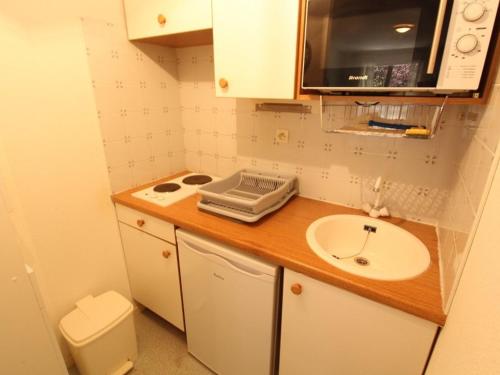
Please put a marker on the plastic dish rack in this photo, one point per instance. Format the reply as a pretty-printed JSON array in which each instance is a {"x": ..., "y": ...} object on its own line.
[{"x": 247, "y": 195}]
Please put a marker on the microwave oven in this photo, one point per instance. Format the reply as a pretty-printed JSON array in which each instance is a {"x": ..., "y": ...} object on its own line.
[{"x": 438, "y": 46}]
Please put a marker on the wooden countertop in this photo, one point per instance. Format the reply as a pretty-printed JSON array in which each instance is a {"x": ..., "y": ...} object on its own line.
[{"x": 280, "y": 238}]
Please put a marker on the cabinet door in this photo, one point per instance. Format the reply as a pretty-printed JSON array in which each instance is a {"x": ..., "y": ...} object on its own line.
[
  {"x": 153, "y": 273},
  {"x": 255, "y": 46},
  {"x": 327, "y": 330},
  {"x": 180, "y": 16}
]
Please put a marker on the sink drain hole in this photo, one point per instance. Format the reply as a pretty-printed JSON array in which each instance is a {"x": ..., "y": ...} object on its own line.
[{"x": 362, "y": 261}]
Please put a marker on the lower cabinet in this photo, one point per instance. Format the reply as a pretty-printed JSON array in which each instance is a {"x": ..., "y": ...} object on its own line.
[
  {"x": 153, "y": 273},
  {"x": 327, "y": 330}
]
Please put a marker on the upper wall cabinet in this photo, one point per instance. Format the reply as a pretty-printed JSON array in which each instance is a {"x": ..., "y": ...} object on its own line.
[
  {"x": 255, "y": 46},
  {"x": 177, "y": 23}
]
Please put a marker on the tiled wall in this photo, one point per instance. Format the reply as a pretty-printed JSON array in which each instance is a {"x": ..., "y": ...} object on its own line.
[
  {"x": 223, "y": 135},
  {"x": 137, "y": 101},
  {"x": 475, "y": 150}
]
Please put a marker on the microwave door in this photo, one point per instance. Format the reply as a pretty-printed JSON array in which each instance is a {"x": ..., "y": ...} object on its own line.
[{"x": 372, "y": 44}]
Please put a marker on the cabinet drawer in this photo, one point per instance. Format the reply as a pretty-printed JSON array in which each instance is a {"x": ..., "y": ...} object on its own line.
[
  {"x": 147, "y": 223},
  {"x": 159, "y": 17},
  {"x": 153, "y": 274}
]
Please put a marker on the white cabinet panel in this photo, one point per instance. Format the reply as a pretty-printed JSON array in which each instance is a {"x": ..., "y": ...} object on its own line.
[
  {"x": 327, "y": 330},
  {"x": 180, "y": 16},
  {"x": 255, "y": 46},
  {"x": 153, "y": 273}
]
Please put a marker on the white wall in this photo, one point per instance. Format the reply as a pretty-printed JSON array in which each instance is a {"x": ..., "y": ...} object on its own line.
[
  {"x": 52, "y": 143},
  {"x": 24, "y": 351},
  {"x": 469, "y": 342}
]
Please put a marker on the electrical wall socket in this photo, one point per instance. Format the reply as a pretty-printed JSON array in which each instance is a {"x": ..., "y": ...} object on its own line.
[{"x": 281, "y": 136}]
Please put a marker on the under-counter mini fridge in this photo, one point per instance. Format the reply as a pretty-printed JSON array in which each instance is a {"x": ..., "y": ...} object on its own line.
[{"x": 230, "y": 306}]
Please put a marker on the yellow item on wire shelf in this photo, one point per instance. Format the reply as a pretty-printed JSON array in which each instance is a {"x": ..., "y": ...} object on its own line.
[{"x": 418, "y": 132}]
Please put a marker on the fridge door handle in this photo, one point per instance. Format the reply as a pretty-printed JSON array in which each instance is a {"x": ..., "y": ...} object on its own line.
[{"x": 238, "y": 267}]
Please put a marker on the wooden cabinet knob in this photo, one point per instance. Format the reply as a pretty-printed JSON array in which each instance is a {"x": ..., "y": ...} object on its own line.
[
  {"x": 162, "y": 20},
  {"x": 140, "y": 222},
  {"x": 223, "y": 83},
  {"x": 296, "y": 289},
  {"x": 166, "y": 253}
]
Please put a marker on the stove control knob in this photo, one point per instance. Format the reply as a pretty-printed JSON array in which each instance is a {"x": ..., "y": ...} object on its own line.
[
  {"x": 467, "y": 43},
  {"x": 473, "y": 12}
]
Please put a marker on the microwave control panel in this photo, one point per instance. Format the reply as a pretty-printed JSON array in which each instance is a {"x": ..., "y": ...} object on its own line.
[{"x": 468, "y": 38}]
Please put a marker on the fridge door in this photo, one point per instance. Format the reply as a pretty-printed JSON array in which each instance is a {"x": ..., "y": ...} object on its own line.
[{"x": 229, "y": 307}]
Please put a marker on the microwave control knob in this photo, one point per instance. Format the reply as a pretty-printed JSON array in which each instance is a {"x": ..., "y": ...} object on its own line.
[
  {"x": 473, "y": 12},
  {"x": 467, "y": 43}
]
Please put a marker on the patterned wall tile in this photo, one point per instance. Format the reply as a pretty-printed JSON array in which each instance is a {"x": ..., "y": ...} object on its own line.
[
  {"x": 473, "y": 148},
  {"x": 414, "y": 166},
  {"x": 137, "y": 101}
]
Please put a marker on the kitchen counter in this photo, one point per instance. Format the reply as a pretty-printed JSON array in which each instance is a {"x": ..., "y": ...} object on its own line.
[{"x": 281, "y": 239}]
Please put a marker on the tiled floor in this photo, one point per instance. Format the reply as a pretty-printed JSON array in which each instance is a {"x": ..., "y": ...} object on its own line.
[{"x": 162, "y": 349}]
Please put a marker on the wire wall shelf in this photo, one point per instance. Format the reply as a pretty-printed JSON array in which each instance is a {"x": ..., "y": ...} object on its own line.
[{"x": 383, "y": 120}]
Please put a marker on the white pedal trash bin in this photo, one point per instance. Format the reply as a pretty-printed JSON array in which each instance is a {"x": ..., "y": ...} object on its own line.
[{"x": 101, "y": 334}]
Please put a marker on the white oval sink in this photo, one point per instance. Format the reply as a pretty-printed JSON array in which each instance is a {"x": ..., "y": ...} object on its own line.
[{"x": 368, "y": 247}]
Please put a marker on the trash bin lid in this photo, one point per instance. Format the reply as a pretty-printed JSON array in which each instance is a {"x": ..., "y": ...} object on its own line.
[{"x": 94, "y": 316}]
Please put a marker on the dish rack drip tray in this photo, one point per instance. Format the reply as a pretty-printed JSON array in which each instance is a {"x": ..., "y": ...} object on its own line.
[{"x": 247, "y": 195}]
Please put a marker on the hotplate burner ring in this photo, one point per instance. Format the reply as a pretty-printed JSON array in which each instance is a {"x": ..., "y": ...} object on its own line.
[
  {"x": 168, "y": 187},
  {"x": 197, "y": 179}
]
